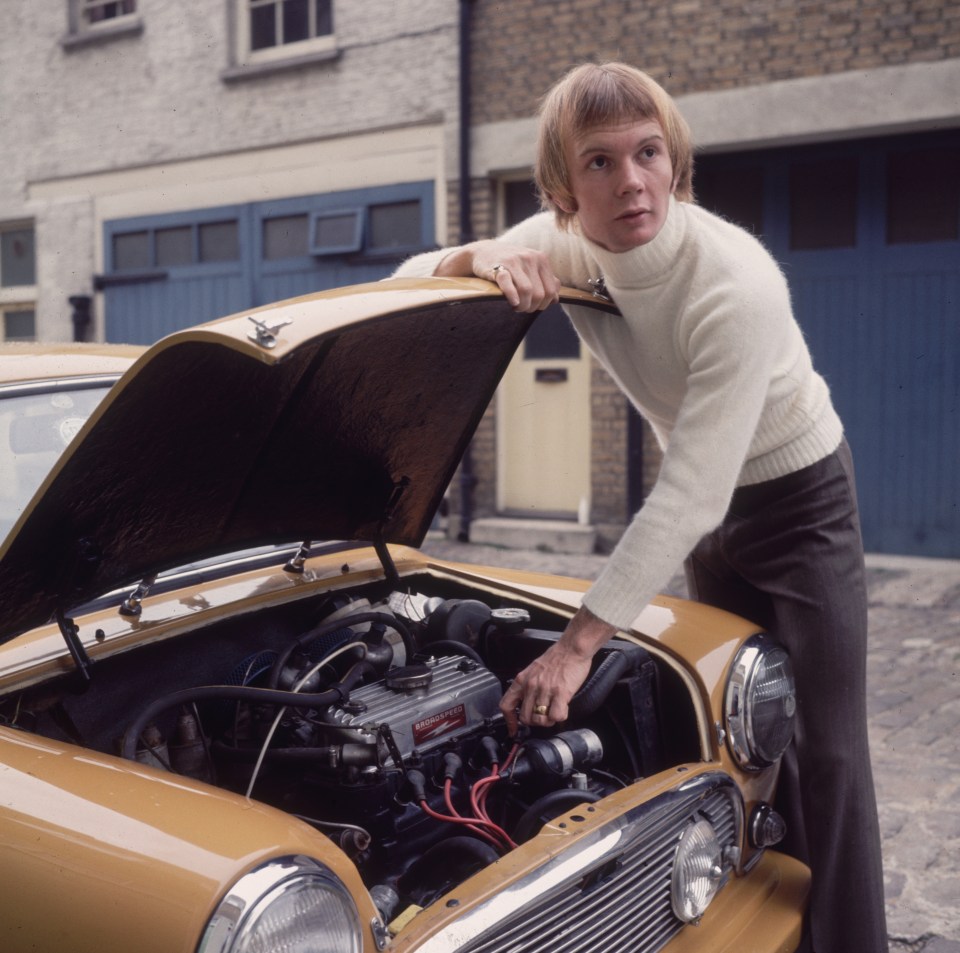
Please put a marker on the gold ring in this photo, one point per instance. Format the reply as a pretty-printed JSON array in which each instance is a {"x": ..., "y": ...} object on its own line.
[{"x": 540, "y": 709}]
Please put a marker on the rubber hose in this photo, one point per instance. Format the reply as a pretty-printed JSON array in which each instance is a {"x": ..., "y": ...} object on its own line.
[
  {"x": 594, "y": 691},
  {"x": 339, "y": 693},
  {"x": 452, "y": 647},
  {"x": 449, "y": 855},
  {"x": 556, "y": 802}
]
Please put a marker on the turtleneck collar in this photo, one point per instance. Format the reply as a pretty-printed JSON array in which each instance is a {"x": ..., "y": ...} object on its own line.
[{"x": 647, "y": 264}]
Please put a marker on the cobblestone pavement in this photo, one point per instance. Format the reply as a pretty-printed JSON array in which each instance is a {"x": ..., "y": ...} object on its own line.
[{"x": 914, "y": 719}]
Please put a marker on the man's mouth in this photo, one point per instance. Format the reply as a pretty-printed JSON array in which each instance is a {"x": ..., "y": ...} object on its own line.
[{"x": 633, "y": 214}]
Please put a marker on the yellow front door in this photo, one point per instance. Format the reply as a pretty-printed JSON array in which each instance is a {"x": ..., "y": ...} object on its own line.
[{"x": 543, "y": 425}]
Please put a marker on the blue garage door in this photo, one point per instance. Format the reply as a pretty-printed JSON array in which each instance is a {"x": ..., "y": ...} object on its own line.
[
  {"x": 167, "y": 272},
  {"x": 869, "y": 236}
]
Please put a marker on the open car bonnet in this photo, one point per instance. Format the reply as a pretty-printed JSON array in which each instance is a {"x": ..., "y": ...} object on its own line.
[{"x": 338, "y": 416}]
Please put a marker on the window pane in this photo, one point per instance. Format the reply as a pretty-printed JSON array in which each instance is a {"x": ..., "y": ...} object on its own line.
[
  {"x": 131, "y": 251},
  {"x": 19, "y": 326},
  {"x": 336, "y": 231},
  {"x": 823, "y": 203},
  {"x": 923, "y": 196},
  {"x": 324, "y": 15},
  {"x": 219, "y": 241},
  {"x": 396, "y": 225},
  {"x": 96, "y": 11},
  {"x": 551, "y": 336},
  {"x": 263, "y": 31},
  {"x": 296, "y": 25},
  {"x": 17, "y": 258},
  {"x": 174, "y": 246},
  {"x": 520, "y": 201},
  {"x": 735, "y": 192},
  {"x": 285, "y": 237}
]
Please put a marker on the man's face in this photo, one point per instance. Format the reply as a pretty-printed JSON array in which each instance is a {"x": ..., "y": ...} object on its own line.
[{"x": 621, "y": 178}]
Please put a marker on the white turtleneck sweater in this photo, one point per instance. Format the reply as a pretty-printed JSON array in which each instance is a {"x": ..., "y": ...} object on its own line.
[{"x": 707, "y": 349}]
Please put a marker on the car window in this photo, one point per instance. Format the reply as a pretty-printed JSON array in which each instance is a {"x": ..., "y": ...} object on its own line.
[{"x": 35, "y": 428}]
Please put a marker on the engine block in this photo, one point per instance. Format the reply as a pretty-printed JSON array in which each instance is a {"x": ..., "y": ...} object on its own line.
[{"x": 425, "y": 705}]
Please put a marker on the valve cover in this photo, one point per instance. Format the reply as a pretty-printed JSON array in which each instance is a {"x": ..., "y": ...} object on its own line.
[{"x": 438, "y": 702}]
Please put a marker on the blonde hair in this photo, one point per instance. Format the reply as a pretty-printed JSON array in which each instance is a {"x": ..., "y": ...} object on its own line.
[{"x": 610, "y": 94}]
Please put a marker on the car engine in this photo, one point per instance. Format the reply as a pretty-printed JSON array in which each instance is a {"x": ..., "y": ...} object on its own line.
[{"x": 379, "y": 724}]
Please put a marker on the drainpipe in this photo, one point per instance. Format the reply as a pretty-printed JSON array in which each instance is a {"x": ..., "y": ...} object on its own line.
[
  {"x": 80, "y": 316},
  {"x": 467, "y": 478}
]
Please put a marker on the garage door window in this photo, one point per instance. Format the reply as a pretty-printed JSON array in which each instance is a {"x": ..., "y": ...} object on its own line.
[
  {"x": 285, "y": 237},
  {"x": 736, "y": 193},
  {"x": 197, "y": 243},
  {"x": 395, "y": 225},
  {"x": 823, "y": 203},
  {"x": 923, "y": 196},
  {"x": 375, "y": 230}
]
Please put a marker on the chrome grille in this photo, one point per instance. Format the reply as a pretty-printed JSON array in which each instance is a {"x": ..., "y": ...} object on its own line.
[{"x": 618, "y": 899}]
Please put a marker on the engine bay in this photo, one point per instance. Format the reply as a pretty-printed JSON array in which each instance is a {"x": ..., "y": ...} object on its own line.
[{"x": 373, "y": 715}]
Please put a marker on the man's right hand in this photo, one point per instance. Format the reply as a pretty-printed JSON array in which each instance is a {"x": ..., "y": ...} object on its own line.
[{"x": 524, "y": 276}]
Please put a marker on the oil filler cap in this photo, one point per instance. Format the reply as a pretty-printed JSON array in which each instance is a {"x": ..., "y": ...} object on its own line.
[{"x": 409, "y": 678}]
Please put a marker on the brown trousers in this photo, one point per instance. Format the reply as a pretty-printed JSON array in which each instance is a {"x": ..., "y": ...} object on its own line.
[{"x": 789, "y": 557}]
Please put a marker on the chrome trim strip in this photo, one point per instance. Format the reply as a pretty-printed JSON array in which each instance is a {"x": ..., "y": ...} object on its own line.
[
  {"x": 522, "y": 893},
  {"x": 654, "y": 822},
  {"x": 22, "y": 388}
]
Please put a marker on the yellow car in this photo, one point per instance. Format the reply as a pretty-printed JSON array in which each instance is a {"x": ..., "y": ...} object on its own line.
[{"x": 240, "y": 712}]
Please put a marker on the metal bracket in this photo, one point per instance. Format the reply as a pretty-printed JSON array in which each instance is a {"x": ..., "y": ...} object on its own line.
[
  {"x": 599, "y": 288},
  {"x": 721, "y": 733},
  {"x": 69, "y": 631},
  {"x": 381, "y": 935},
  {"x": 295, "y": 564},
  {"x": 265, "y": 334},
  {"x": 132, "y": 605}
]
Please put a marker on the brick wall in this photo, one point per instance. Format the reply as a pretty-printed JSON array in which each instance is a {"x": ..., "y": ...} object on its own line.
[
  {"x": 608, "y": 451},
  {"x": 483, "y": 448},
  {"x": 522, "y": 46}
]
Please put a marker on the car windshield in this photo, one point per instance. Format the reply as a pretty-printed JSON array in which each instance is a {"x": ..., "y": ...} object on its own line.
[{"x": 36, "y": 424}]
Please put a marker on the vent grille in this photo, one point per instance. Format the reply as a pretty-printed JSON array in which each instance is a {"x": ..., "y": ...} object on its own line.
[{"x": 619, "y": 903}]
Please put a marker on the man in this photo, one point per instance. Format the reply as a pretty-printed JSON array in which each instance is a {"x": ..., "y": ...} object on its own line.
[{"x": 756, "y": 487}]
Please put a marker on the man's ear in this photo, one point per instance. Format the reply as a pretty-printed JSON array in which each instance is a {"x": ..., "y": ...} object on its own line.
[{"x": 567, "y": 205}]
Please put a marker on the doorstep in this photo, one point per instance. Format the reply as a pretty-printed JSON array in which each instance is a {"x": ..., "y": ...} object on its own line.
[{"x": 555, "y": 536}]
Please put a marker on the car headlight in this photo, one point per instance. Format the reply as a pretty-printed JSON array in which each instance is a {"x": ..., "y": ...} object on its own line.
[
  {"x": 760, "y": 703},
  {"x": 294, "y": 904},
  {"x": 697, "y": 871}
]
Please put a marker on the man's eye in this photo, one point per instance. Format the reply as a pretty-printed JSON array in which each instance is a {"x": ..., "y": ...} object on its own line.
[{"x": 598, "y": 162}]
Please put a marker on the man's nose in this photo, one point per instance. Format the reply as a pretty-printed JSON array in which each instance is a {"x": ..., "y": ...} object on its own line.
[{"x": 631, "y": 179}]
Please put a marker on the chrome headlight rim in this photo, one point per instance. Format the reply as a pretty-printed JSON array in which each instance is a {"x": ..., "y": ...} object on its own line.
[
  {"x": 749, "y": 751},
  {"x": 243, "y": 906}
]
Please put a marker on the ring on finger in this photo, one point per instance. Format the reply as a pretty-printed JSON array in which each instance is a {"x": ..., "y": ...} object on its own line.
[
  {"x": 540, "y": 709},
  {"x": 497, "y": 269}
]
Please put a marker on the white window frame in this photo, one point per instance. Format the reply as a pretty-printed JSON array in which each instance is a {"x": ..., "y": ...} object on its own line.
[
  {"x": 18, "y": 297},
  {"x": 245, "y": 56},
  {"x": 80, "y": 25}
]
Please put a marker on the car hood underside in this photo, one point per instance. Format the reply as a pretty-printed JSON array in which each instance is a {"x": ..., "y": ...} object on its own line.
[{"x": 341, "y": 415}]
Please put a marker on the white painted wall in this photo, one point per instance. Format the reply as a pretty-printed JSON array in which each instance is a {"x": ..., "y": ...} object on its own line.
[{"x": 148, "y": 123}]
